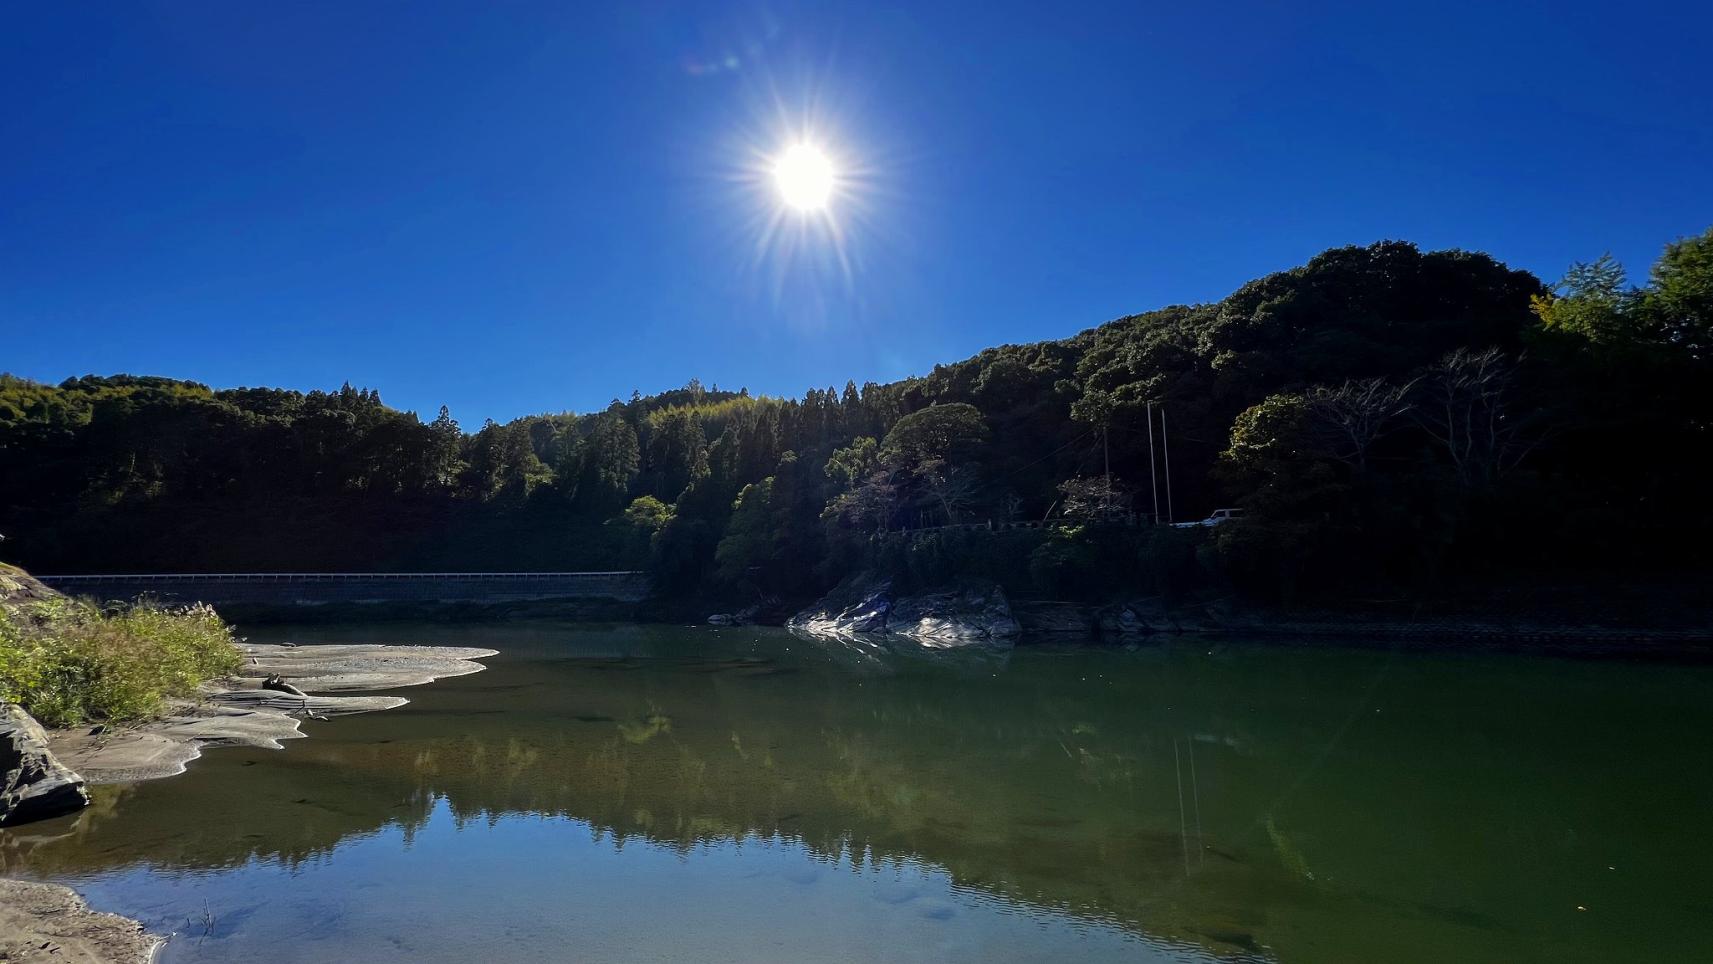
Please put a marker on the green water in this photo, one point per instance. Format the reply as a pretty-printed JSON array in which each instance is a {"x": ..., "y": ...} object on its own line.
[{"x": 665, "y": 794}]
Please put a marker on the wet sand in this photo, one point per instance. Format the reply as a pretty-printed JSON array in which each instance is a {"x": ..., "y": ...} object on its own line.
[
  {"x": 239, "y": 712},
  {"x": 47, "y": 922}
]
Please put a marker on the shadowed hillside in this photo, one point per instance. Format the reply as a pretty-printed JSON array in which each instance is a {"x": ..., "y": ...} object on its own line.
[{"x": 1391, "y": 421}]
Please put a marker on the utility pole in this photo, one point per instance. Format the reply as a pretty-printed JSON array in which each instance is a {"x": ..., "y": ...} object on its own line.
[
  {"x": 1153, "y": 477},
  {"x": 1106, "y": 453},
  {"x": 1166, "y": 449}
]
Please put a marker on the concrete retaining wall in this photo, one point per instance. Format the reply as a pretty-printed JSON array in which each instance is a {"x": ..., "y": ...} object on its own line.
[{"x": 311, "y": 589}]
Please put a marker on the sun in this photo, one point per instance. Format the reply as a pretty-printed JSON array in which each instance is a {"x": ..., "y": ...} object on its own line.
[{"x": 804, "y": 178}]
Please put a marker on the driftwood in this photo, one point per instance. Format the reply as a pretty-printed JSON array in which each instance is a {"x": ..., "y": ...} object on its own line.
[{"x": 278, "y": 682}]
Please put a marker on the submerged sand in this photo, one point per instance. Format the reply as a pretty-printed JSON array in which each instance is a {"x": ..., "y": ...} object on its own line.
[{"x": 239, "y": 712}]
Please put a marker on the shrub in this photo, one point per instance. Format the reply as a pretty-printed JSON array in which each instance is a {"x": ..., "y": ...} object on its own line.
[
  {"x": 927, "y": 560},
  {"x": 68, "y": 662},
  {"x": 1067, "y": 564}
]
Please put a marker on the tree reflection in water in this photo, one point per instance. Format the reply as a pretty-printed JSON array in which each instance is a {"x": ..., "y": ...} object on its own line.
[{"x": 1220, "y": 797}]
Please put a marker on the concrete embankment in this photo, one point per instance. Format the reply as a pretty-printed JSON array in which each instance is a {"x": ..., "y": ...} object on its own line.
[
  {"x": 298, "y": 597},
  {"x": 302, "y": 590}
]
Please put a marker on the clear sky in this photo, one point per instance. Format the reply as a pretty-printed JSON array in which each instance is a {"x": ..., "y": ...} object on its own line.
[{"x": 515, "y": 207}]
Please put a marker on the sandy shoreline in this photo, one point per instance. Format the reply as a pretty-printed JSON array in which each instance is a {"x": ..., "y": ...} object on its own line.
[
  {"x": 239, "y": 712},
  {"x": 48, "y": 922}
]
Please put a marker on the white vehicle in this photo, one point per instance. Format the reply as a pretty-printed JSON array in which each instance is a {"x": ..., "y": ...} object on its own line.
[{"x": 1219, "y": 515}]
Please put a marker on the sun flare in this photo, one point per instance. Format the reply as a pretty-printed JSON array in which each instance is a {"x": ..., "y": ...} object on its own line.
[{"x": 804, "y": 177}]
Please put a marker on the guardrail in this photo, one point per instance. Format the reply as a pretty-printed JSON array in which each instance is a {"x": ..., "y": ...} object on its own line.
[
  {"x": 991, "y": 526},
  {"x": 329, "y": 576},
  {"x": 313, "y": 588}
]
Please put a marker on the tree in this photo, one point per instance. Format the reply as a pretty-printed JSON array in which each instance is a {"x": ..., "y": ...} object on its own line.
[
  {"x": 1376, "y": 396},
  {"x": 502, "y": 461},
  {"x": 1466, "y": 408},
  {"x": 1093, "y": 498},
  {"x": 948, "y": 433},
  {"x": 1678, "y": 302},
  {"x": 444, "y": 438},
  {"x": 868, "y": 507},
  {"x": 851, "y": 465},
  {"x": 1279, "y": 462},
  {"x": 677, "y": 451},
  {"x": 749, "y": 541},
  {"x": 609, "y": 464},
  {"x": 1355, "y": 415},
  {"x": 951, "y": 487},
  {"x": 648, "y": 514},
  {"x": 1590, "y": 302}
]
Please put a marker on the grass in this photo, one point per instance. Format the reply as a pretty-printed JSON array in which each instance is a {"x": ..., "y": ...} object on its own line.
[{"x": 68, "y": 661}]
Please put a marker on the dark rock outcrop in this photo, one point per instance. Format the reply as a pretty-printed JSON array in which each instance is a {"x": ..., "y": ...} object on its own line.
[
  {"x": 768, "y": 612},
  {"x": 859, "y": 604},
  {"x": 33, "y": 784},
  {"x": 1066, "y": 618},
  {"x": 1144, "y": 617}
]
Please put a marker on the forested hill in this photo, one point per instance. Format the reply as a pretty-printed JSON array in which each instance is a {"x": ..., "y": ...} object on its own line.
[{"x": 1386, "y": 417}]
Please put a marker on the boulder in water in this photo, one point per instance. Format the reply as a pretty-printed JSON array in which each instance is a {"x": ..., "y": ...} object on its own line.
[
  {"x": 973, "y": 611},
  {"x": 859, "y": 604}
]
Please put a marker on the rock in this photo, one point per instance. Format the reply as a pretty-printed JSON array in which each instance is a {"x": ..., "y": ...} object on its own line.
[
  {"x": 767, "y": 611},
  {"x": 858, "y": 604},
  {"x": 18, "y": 587},
  {"x": 1127, "y": 619},
  {"x": 972, "y": 611},
  {"x": 1143, "y": 617},
  {"x": 34, "y": 785},
  {"x": 1202, "y": 619}
]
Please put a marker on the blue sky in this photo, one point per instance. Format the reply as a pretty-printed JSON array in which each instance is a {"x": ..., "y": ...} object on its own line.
[{"x": 513, "y": 208}]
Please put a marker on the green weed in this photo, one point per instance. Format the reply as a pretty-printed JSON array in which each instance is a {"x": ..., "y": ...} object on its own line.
[{"x": 69, "y": 662}]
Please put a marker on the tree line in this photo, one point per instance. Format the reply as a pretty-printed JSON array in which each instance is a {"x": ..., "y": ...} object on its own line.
[{"x": 1388, "y": 419}]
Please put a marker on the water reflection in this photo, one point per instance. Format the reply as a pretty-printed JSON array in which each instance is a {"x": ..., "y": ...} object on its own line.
[
  {"x": 889, "y": 654},
  {"x": 1304, "y": 805}
]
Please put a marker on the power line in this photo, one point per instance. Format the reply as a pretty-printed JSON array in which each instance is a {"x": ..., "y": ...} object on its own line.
[{"x": 1049, "y": 455}]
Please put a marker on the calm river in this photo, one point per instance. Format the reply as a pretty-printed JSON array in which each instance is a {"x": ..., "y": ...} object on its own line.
[{"x": 640, "y": 793}]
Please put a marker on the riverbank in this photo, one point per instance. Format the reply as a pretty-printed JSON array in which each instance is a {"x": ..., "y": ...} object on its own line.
[
  {"x": 69, "y": 661},
  {"x": 1654, "y": 621},
  {"x": 264, "y": 702},
  {"x": 325, "y": 681},
  {"x": 131, "y": 691},
  {"x": 136, "y": 691},
  {"x": 47, "y": 922}
]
